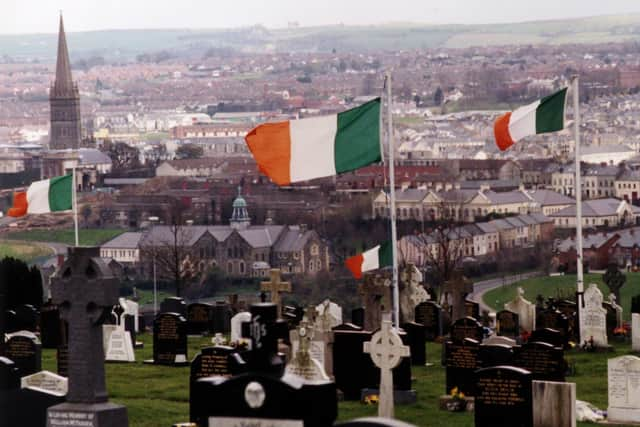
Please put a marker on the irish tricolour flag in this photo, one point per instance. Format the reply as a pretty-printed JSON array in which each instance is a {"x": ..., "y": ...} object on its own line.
[
  {"x": 49, "y": 195},
  {"x": 316, "y": 147},
  {"x": 545, "y": 115},
  {"x": 375, "y": 258}
]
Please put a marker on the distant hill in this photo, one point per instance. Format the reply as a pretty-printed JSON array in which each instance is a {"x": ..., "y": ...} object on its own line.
[{"x": 126, "y": 44}]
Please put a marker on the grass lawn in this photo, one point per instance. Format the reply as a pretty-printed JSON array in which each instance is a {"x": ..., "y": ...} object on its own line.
[
  {"x": 87, "y": 237},
  {"x": 146, "y": 296},
  {"x": 159, "y": 395},
  {"x": 562, "y": 285},
  {"x": 25, "y": 251}
]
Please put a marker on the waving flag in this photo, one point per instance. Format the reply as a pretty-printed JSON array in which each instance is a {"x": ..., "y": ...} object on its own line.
[
  {"x": 375, "y": 258},
  {"x": 49, "y": 195}
]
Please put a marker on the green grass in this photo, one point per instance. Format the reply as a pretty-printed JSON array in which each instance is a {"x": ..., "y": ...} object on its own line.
[
  {"x": 87, "y": 237},
  {"x": 159, "y": 395},
  {"x": 25, "y": 251},
  {"x": 146, "y": 296},
  {"x": 561, "y": 285}
]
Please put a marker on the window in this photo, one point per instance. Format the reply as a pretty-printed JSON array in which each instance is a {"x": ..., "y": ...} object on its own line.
[
  {"x": 229, "y": 253},
  {"x": 230, "y": 267},
  {"x": 311, "y": 266},
  {"x": 241, "y": 267},
  {"x": 315, "y": 250}
]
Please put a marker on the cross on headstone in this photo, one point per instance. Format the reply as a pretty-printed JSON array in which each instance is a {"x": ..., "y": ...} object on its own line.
[
  {"x": 83, "y": 289},
  {"x": 456, "y": 289},
  {"x": 386, "y": 350},
  {"x": 375, "y": 291},
  {"x": 614, "y": 279},
  {"x": 274, "y": 287}
]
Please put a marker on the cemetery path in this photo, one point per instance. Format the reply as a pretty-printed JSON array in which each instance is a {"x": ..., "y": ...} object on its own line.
[{"x": 480, "y": 288}]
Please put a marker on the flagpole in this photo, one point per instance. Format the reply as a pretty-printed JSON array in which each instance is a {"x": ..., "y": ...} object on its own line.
[
  {"x": 392, "y": 190},
  {"x": 578, "y": 191},
  {"x": 75, "y": 203}
]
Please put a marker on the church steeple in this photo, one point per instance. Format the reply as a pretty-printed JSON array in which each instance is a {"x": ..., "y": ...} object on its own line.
[
  {"x": 64, "y": 98},
  {"x": 63, "y": 83},
  {"x": 240, "y": 216}
]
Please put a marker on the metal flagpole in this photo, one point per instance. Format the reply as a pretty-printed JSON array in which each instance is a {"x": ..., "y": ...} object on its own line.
[
  {"x": 75, "y": 203},
  {"x": 392, "y": 190},
  {"x": 578, "y": 192}
]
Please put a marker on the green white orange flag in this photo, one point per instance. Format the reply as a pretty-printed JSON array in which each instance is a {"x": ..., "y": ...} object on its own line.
[
  {"x": 49, "y": 195},
  {"x": 542, "y": 116},
  {"x": 317, "y": 147},
  {"x": 375, "y": 258}
]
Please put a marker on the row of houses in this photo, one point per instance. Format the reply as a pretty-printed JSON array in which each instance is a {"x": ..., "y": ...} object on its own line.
[
  {"x": 600, "y": 249},
  {"x": 477, "y": 240}
]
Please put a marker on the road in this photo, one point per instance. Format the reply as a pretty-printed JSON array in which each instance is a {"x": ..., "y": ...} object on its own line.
[{"x": 480, "y": 288}]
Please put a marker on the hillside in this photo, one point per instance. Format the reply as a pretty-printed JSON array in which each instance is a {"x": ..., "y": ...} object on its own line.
[{"x": 124, "y": 45}]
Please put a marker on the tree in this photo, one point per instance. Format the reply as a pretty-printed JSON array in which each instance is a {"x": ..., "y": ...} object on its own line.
[
  {"x": 86, "y": 211},
  {"x": 438, "y": 96},
  {"x": 189, "y": 151},
  {"x": 122, "y": 155},
  {"x": 19, "y": 283}
]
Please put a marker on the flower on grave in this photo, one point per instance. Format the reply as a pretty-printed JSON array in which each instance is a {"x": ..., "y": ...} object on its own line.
[
  {"x": 525, "y": 335},
  {"x": 620, "y": 332},
  {"x": 456, "y": 394},
  {"x": 371, "y": 399}
]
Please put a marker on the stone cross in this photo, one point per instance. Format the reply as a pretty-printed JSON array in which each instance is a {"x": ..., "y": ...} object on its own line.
[
  {"x": 386, "y": 350},
  {"x": 84, "y": 289},
  {"x": 375, "y": 291},
  {"x": 614, "y": 279},
  {"x": 275, "y": 286},
  {"x": 456, "y": 289},
  {"x": 305, "y": 335}
]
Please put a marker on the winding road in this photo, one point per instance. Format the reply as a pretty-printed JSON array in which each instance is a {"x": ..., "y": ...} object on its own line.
[{"x": 480, "y": 288}]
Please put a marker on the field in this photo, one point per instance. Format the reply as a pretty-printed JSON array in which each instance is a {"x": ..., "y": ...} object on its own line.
[
  {"x": 87, "y": 237},
  {"x": 25, "y": 251},
  {"x": 561, "y": 285},
  {"x": 159, "y": 396}
]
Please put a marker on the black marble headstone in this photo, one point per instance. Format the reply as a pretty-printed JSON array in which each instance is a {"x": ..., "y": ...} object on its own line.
[
  {"x": 221, "y": 317},
  {"x": 174, "y": 305},
  {"x": 635, "y": 304},
  {"x": 494, "y": 355},
  {"x": 51, "y": 325},
  {"x": 26, "y": 318},
  {"x": 352, "y": 367},
  {"x": 417, "y": 340},
  {"x": 357, "y": 316},
  {"x": 25, "y": 352},
  {"x": 507, "y": 324},
  {"x": 62, "y": 358},
  {"x": 10, "y": 322},
  {"x": 466, "y": 327},
  {"x": 169, "y": 339},
  {"x": 553, "y": 319},
  {"x": 461, "y": 361},
  {"x": 543, "y": 360},
  {"x": 503, "y": 397},
  {"x": 550, "y": 336},
  {"x": 199, "y": 319},
  {"x": 430, "y": 315},
  {"x": 611, "y": 318},
  {"x": 472, "y": 309}
]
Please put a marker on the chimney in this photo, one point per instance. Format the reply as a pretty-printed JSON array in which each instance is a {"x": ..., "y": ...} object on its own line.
[{"x": 303, "y": 228}]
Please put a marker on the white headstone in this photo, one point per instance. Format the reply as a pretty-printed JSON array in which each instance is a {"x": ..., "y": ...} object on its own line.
[
  {"x": 303, "y": 363},
  {"x": 133, "y": 309},
  {"x": 624, "y": 389},
  {"x": 236, "y": 327},
  {"x": 329, "y": 315},
  {"x": 499, "y": 340},
  {"x": 593, "y": 318},
  {"x": 554, "y": 404},
  {"x": 218, "y": 339},
  {"x": 119, "y": 346},
  {"x": 386, "y": 350},
  {"x": 525, "y": 310},
  {"x": 635, "y": 332},
  {"x": 617, "y": 308},
  {"x": 47, "y": 382}
]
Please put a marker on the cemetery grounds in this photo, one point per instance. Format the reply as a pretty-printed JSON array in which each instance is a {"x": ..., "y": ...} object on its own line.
[{"x": 159, "y": 395}]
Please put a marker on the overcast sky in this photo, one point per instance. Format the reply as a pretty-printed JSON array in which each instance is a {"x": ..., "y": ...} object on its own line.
[{"x": 29, "y": 16}]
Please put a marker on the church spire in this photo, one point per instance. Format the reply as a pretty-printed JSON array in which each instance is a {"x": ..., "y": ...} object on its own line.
[{"x": 63, "y": 83}]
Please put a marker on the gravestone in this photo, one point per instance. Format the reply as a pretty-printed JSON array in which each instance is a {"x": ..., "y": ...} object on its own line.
[
  {"x": 119, "y": 345},
  {"x": 411, "y": 292},
  {"x": 543, "y": 360},
  {"x": 26, "y": 318},
  {"x": 169, "y": 340},
  {"x": 321, "y": 343},
  {"x": 275, "y": 286},
  {"x": 236, "y": 327},
  {"x": 47, "y": 381},
  {"x": 525, "y": 310},
  {"x": 498, "y": 339},
  {"x": 553, "y": 319},
  {"x": 472, "y": 309},
  {"x": 221, "y": 317},
  {"x": 614, "y": 315},
  {"x": 455, "y": 291},
  {"x": 83, "y": 288},
  {"x": 490, "y": 355},
  {"x": 199, "y": 319},
  {"x": 263, "y": 396},
  {"x": 3, "y": 303},
  {"x": 174, "y": 305},
  {"x": 375, "y": 291},
  {"x": 570, "y": 310},
  {"x": 635, "y": 332},
  {"x": 357, "y": 316},
  {"x": 503, "y": 397},
  {"x": 130, "y": 318},
  {"x": 328, "y": 314},
  {"x": 352, "y": 368},
  {"x": 461, "y": 361},
  {"x": 10, "y": 322},
  {"x": 614, "y": 279},
  {"x": 635, "y": 304},
  {"x": 9, "y": 384},
  {"x": 624, "y": 389},
  {"x": 62, "y": 359},
  {"x": 26, "y": 352},
  {"x": 386, "y": 350},
  {"x": 417, "y": 340},
  {"x": 466, "y": 327},
  {"x": 50, "y": 326},
  {"x": 303, "y": 363},
  {"x": 507, "y": 324},
  {"x": 430, "y": 315},
  {"x": 593, "y": 318},
  {"x": 548, "y": 335},
  {"x": 554, "y": 404},
  {"x": 373, "y": 422}
]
